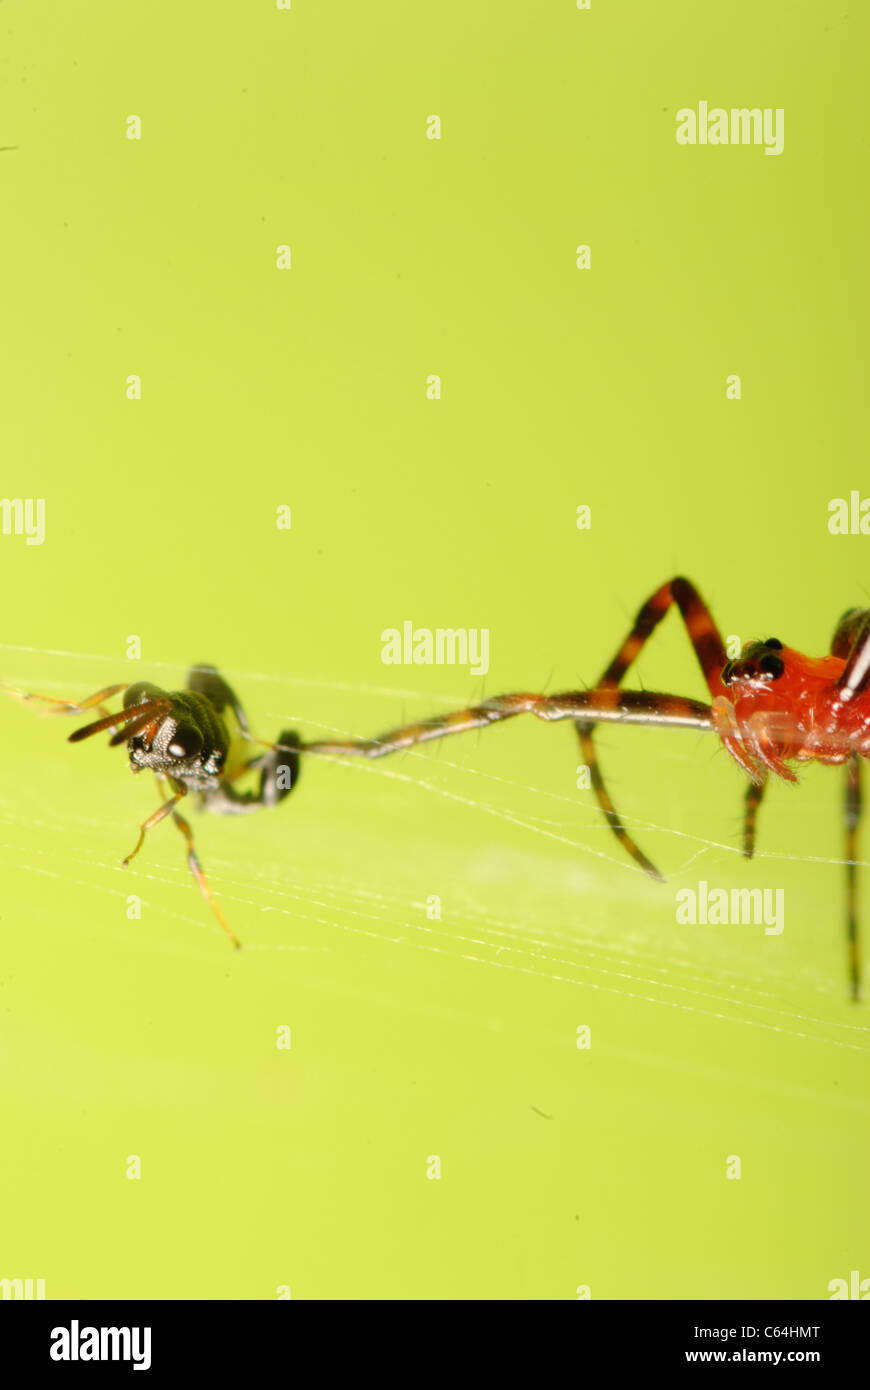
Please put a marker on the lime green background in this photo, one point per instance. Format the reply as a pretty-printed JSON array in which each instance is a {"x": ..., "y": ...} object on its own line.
[{"x": 411, "y": 1037}]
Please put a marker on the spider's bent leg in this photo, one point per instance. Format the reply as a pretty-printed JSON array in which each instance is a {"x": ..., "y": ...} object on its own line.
[
  {"x": 710, "y": 651},
  {"x": 602, "y": 796},
  {"x": 610, "y": 705},
  {"x": 703, "y": 633},
  {"x": 754, "y": 793},
  {"x": 155, "y": 818},
  {"x": 853, "y": 816}
]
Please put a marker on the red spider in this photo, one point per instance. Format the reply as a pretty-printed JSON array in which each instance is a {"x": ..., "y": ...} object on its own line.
[{"x": 771, "y": 707}]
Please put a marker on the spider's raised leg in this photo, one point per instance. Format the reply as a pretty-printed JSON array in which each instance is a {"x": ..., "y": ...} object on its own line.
[
  {"x": 712, "y": 657},
  {"x": 853, "y": 817}
]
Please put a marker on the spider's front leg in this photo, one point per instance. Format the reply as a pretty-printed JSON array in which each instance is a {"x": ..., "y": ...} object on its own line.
[{"x": 610, "y": 706}]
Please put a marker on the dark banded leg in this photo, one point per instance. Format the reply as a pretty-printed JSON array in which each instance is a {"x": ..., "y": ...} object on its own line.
[
  {"x": 611, "y": 706},
  {"x": 703, "y": 632},
  {"x": 853, "y": 817},
  {"x": 754, "y": 793},
  {"x": 602, "y": 795},
  {"x": 710, "y": 651}
]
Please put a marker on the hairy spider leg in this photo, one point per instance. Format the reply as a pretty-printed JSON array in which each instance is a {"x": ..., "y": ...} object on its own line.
[
  {"x": 601, "y": 706},
  {"x": 710, "y": 651}
]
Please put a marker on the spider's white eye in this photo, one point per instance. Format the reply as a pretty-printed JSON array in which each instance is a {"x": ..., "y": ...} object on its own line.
[{"x": 186, "y": 742}]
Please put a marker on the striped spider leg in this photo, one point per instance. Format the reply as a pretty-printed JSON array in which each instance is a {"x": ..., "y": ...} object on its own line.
[{"x": 821, "y": 711}]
